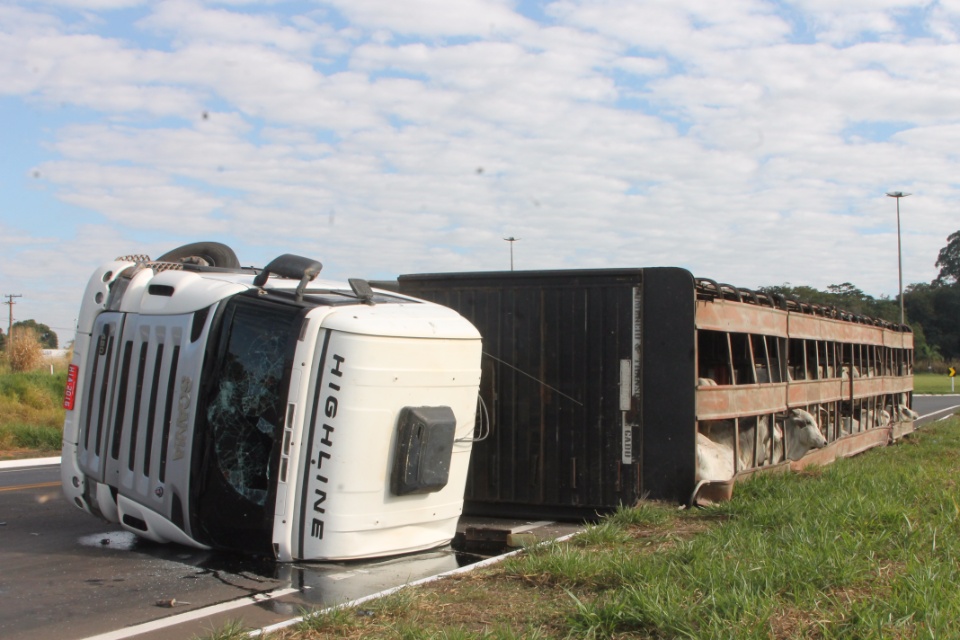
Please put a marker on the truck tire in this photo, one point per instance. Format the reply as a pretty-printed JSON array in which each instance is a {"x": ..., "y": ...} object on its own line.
[{"x": 209, "y": 254}]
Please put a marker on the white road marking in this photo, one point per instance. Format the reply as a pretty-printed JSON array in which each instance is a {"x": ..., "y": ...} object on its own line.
[
  {"x": 29, "y": 462},
  {"x": 928, "y": 415},
  {"x": 163, "y": 623}
]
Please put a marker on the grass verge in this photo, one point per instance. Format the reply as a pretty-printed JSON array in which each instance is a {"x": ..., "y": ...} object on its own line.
[
  {"x": 934, "y": 383},
  {"x": 31, "y": 414},
  {"x": 868, "y": 547}
]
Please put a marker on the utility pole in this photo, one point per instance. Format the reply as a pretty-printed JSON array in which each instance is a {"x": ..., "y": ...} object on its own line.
[{"x": 10, "y": 303}]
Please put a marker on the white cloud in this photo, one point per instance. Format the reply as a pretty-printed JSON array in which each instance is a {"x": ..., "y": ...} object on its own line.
[
  {"x": 384, "y": 137},
  {"x": 433, "y": 18},
  {"x": 682, "y": 29},
  {"x": 92, "y": 5},
  {"x": 190, "y": 21}
]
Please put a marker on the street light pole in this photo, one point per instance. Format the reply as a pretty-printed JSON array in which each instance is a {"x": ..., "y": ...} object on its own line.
[
  {"x": 511, "y": 240},
  {"x": 898, "y": 195}
]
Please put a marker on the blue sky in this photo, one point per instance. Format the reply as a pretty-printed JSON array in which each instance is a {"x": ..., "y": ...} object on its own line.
[{"x": 749, "y": 141}]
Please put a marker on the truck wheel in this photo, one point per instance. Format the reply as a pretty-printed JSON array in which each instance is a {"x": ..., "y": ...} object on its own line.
[{"x": 209, "y": 254}]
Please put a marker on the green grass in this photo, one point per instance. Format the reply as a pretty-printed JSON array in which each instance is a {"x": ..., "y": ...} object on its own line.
[
  {"x": 31, "y": 412},
  {"x": 867, "y": 547},
  {"x": 232, "y": 630},
  {"x": 864, "y": 548},
  {"x": 36, "y": 438},
  {"x": 934, "y": 383}
]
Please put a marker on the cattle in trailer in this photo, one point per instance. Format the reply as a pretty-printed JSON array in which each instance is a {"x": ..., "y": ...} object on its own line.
[
  {"x": 847, "y": 371},
  {"x": 802, "y": 433},
  {"x": 714, "y": 460},
  {"x": 901, "y": 412},
  {"x": 848, "y": 425},
  {"x": 874, "y": 418},
  {"x": 715, "y": 450}
]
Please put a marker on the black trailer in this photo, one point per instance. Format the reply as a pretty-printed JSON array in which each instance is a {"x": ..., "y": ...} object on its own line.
[
  {"x": 591, "y": 381},
  {"x": 587, "y": 381}
]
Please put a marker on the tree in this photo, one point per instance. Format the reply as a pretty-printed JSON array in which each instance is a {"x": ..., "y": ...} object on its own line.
[
  {"x": 936, "y": 308},
  {"x": 843, "y": 296},
  {"x": 45, "y": 335},
  {"x": 847, "y": 290},
  {"x": 949, "y": 260},
  {"x": 923, "y": 350},
  {"x": 932, "y": 310}
]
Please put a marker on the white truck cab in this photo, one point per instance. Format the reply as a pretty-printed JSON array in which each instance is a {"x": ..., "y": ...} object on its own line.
[{"x": 265, "y": 411}]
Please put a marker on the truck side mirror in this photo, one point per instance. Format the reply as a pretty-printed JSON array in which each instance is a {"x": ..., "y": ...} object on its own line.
[{"x": 290, "y": 266}]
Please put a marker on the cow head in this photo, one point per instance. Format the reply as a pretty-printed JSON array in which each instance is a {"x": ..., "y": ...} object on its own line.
[{"x": 803, "y": 434}]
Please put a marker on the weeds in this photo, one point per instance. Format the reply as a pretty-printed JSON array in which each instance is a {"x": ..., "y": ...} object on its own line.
[
  {"x": 31, "y": 413},
  {"x": 21, "y": 436},
  {"x": 24, "y": 351},
  {"x": 232, "y": 630},
  {"x": 332, "y": 618}
]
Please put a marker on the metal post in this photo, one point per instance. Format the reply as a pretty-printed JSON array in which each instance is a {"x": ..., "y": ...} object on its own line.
[
  {"x": 511, "y": 240},
  {"x": 898, "y": 195}
]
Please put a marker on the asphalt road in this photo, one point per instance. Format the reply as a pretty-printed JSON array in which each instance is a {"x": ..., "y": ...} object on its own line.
[
  {"x": 68, "y": 575},
  {"x": 65, "y": 574},
  {"x": 932, "y": 408}
]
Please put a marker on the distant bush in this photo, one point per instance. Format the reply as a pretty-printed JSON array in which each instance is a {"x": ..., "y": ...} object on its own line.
[
  {"x": 939, "y": 367},
  {"x": 24, "y": 351}
]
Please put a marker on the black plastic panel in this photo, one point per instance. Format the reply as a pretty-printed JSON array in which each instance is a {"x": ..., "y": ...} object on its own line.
[{"x": 421, "y": 462}]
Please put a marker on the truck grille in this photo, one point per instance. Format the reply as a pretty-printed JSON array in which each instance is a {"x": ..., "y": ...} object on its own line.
[{"x": 135, "y": 374}]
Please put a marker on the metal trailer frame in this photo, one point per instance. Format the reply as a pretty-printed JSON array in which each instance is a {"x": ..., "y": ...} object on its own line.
[{"x": 590, "y": 381}]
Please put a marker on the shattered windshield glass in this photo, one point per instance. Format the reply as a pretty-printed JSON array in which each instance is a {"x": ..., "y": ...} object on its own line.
[
  {"x": 247, "y": 408},
  {"x": 244, "y": 411}
]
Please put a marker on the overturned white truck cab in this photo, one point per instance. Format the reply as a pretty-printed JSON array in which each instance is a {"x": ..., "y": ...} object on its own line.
[{"x": 268, "y": 412}]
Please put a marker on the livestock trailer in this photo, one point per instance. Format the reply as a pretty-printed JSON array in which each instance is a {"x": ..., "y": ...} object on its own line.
[{"x": 598, "y": 383}]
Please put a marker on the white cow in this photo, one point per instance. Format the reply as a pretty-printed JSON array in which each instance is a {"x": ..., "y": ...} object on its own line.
[
  {"x": 883, "y": 418},
  {"x": 850, "y": 372},
  {"x": 848, "y": 425},
  {"x": 802, "y": 434},
  {"x": 872, "y": 418},
  {"x": 901, "y": 412},
  {"x": 715, "y": 453},
  {"x": 714, "y": 460}
]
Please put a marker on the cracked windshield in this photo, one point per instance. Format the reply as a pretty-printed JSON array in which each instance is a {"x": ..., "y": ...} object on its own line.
[{"x": 246, "y": 408}]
